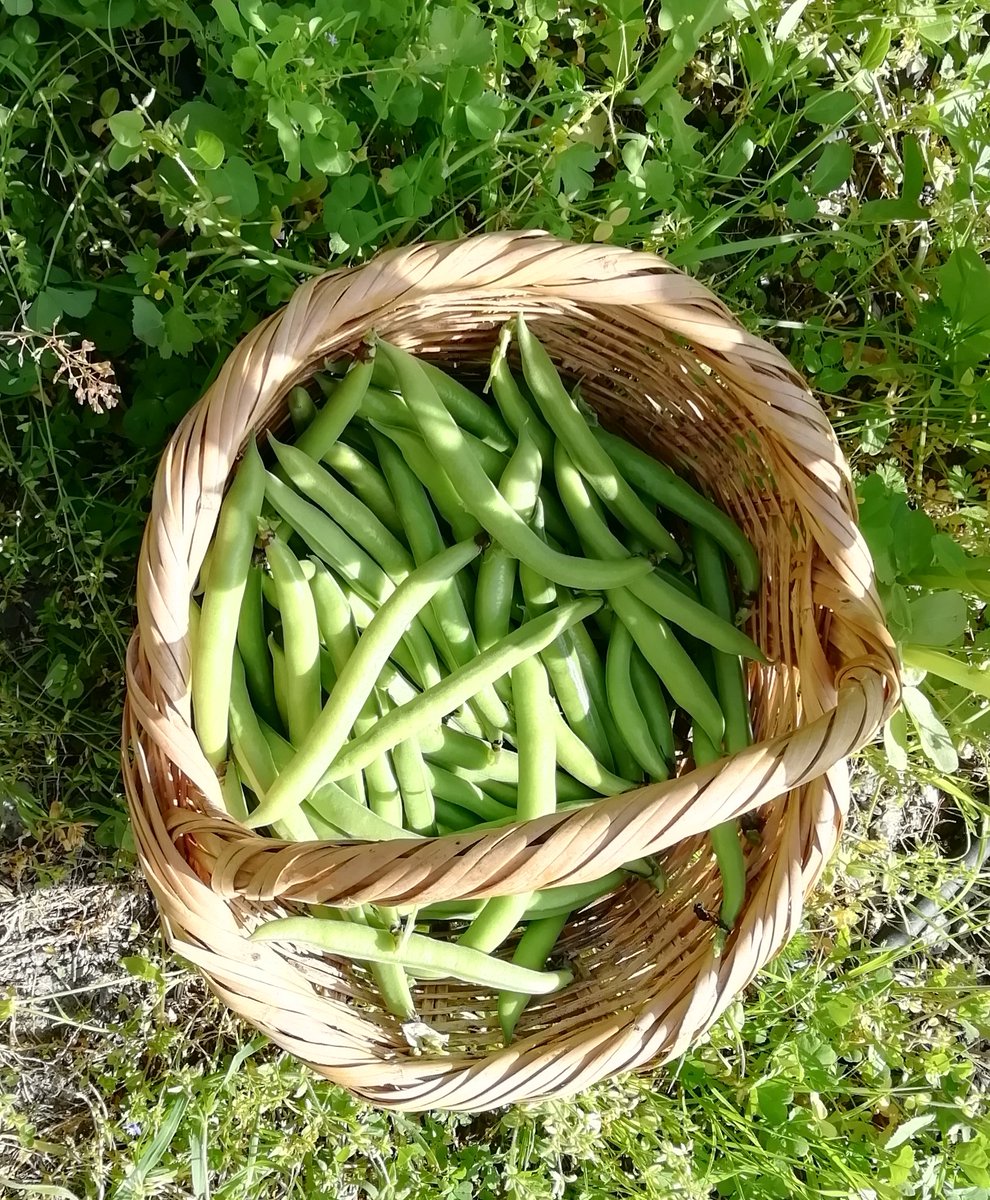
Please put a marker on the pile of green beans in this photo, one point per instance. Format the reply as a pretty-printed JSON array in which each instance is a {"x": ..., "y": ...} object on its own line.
[{"x": 424, "y": 614}]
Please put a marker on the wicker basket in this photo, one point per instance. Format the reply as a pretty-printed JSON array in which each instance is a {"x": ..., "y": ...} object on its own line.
[{"x": 666, "y": 364}]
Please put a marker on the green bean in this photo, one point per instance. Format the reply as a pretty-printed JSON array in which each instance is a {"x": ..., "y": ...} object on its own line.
[
  {"x": 467, "y": 409},
  {"x": 432, "y": 476},
  {"x": 494, "y": 595},
  {"x": 330, "y": 543},
  {"x": 233, "y": 793},
  {"x": 625, "y": 706},
  {"x": 675, "y": 667},
  {"x": 664, "y": 598},
  {"x": 453, "y": 789},
  {"x": 730, "y": 682},
  {"x": 727, "y": 848},
  {"x": 253, "y": 646},
  {"x": 516, "y": 410},
  {"x": 254, "y": 758},
  {"x": 539, "y": 593},
  {"x": 356, "y": 681},
  {"x": 672, "y": 492},
  {"x": 537, "y": 792},
  {"x": 417, "y": 796},
  {"x": 565, "y": 419},
  {"x": 378, "y": 788},
  {"x": 301, "y": 637},
  {"x": 506, "y": 792},
  {"x": 416, "y": 952},
  {"x": 535, "y": 947},
  {"x": 350, "y": 513},
  {"x": 577, "y": 760},
  {"x": 435, "y": 703},
  {"x": 652, "y": 702},
  {"x": 332, "y": 804},
  {"x": 425, "y": 540},
  {"x": 589, "y": 663},
  {"x": 391, "y": 979},
  {"x": 451, "y": 818},
  {"x": 332, "y": 419},
  {"x": 302, "y": 410},
  {"x": 493, "y": 462},
  {"x": 280, "y": 679},
  {"x": 366, "y": 482},
  {"x": 269, "y": 590},
  {"x": 460, "y": 750},
  {"x": 713, "y": 582},
  {"x": 213, "y": 659},
  {"x": 568, "y": 898},
  {"x": 363, "y": 614},
  {"x": 484, "y": 501}
]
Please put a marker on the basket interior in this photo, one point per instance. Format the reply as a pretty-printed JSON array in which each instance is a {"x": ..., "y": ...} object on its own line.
[{"x": 636, "y": 947}]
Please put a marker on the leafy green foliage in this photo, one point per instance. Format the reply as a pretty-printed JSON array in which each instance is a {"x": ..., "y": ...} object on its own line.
[{"x": 169, "y": 172}]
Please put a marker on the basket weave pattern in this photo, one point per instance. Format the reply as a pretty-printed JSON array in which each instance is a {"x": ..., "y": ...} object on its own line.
[{"x": 666, "y": 364}]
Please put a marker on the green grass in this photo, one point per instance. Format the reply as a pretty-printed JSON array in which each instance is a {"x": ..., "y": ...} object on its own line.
[{"x": 165, "y": 180}]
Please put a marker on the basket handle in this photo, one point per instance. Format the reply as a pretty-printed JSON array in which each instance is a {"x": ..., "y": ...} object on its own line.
[{"x": 551, "y": 851}]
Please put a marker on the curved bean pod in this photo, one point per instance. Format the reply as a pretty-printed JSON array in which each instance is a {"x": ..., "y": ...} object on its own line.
[
  {"x": 467, "y": 409},
  {"x": 252, "y": 645},
  {"x": 625, "y": 706},
  {"x": 484, "y": 501},
  {"x": 417, "y": 796},
  {"x": 425, "y": 540},
  {"x": 672, "y": 492},
  {"x": 665, "y": 598},
  {"x": 516, "y": 410},
  {"x": 577, "y": 760},
  {"x": 592, "y": 460},
  {"x": 440, "y": 700},
  {"x": 331, "y": 804},
  {"x": 676, "y": 668},
  {"x": 332, "y": 419},
  {"x": 537, "y": 749},
  {"x": 535, "y": 947},
  {"x": 213, "y": 659},
  {"x": 356, "y": 681},
  {"x": 650, "y": 698},
  {"x": 432, "y": 476},
  {"x": 416, "y": 952},
  {"x": 367, "y": 483},
  {"x": 302, "y": 640},
  {"x": 728, "y": 850},
  {"x": 350, "y": 513}
]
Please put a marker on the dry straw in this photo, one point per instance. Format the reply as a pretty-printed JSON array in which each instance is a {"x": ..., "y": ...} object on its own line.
[{"x": 665, "y": 363}]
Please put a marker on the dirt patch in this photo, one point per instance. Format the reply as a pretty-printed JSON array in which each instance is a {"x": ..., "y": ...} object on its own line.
[{"x": 64, "y": 929}]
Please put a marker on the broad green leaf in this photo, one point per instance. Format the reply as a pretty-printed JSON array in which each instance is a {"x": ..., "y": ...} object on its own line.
[
  {"x": 830, "y": 107},
  {"x": 209, "y": 148},
  {"x": 774, "y": 1098},
  {"x": 833, "y": 167},
  {"x": 236, "y": 186},
  {"x": 484, "y": 116},
  {"x": 932, "y": 734},
  {"x": 230, "y": 18},
  {"x": 127, "y": 128},
  {"x": 246, "y": 62},
  {"x": 53, "y": 303},
  {"x": 938, "y": 618},
  {"x": 147, "y": 321},
  {"x": 572, "y": 170}
]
